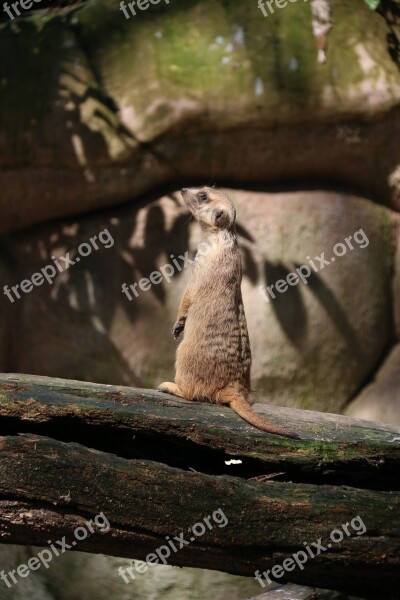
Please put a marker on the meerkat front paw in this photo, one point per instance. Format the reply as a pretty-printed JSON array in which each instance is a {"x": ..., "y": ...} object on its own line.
[
  {"x": 165, "y": 387},
  {"x": 178, "y": 328}
]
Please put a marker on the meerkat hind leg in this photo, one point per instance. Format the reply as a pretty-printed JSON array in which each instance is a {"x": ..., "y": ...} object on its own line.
[{"x": 168, "y": 387}]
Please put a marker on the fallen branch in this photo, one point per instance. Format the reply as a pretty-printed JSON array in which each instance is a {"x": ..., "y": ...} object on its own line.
[{"x": 156, "y": 465}]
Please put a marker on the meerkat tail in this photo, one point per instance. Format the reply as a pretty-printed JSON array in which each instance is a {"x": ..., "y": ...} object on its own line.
[{"x": 244, "y": 410}]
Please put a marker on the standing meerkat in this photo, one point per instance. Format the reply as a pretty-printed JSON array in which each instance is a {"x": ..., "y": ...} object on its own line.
[{"x": 213, "y": 360}]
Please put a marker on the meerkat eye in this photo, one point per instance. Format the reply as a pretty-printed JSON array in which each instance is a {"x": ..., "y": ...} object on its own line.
[{"x": 202, "y": 196}]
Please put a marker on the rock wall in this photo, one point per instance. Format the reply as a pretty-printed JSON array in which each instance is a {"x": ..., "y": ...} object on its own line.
[
  {"x": 98, "y": 109},
  {"x": 314, "y": 343}
]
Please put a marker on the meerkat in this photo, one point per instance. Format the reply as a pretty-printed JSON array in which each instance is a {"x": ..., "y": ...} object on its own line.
[{"x": 213, "y": 360}]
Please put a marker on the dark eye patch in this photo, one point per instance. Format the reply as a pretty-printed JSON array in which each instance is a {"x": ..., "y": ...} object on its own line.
[{"x": 202, "y": 196}]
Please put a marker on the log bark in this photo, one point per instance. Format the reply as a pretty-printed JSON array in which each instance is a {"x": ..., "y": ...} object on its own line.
[{"x": 156, "y": 465}]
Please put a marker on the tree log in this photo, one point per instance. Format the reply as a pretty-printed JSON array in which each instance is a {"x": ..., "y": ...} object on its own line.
[{"x": 155, "y": 465}]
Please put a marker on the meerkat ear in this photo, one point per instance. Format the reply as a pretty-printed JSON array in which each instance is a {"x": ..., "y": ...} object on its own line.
[{"x": 221, "y": 218}]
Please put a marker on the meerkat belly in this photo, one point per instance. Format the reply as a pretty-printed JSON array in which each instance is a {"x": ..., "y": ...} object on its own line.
[{"x": 210, "y": 355}]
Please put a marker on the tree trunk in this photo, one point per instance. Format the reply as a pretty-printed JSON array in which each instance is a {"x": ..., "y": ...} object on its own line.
[{"x": 156, "y": 465}]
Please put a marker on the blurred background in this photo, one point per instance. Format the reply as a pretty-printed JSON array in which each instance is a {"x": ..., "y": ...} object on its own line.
[{"x": 291, "y": 106}]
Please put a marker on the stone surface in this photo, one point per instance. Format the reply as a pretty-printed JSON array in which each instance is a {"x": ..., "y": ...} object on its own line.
[
  {"x": 95, "y": 577},
  {"x": 313, "y": 346},
  {"x": 396, "y": 290},
  {"x": 298, "y": 592},
  {"x": 224, "y": 94},
  {"x": 7, "y": 317},
  {"x": 380, "y": 400}
]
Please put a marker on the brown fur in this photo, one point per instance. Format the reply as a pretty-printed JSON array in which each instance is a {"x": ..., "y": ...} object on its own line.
[{"x": 213, "y": 361}]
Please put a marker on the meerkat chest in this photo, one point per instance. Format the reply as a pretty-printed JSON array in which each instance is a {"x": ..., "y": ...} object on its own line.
[
  {"x": 218, "y": 264},
  {"x": 217, "y": 275}
]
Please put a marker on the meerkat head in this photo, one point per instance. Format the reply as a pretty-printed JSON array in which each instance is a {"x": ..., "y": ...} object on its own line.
[{"x": 213, "y": 209}]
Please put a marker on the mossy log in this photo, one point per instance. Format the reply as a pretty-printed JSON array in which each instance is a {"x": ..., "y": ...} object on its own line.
[{"x": 155, "y": 465}]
